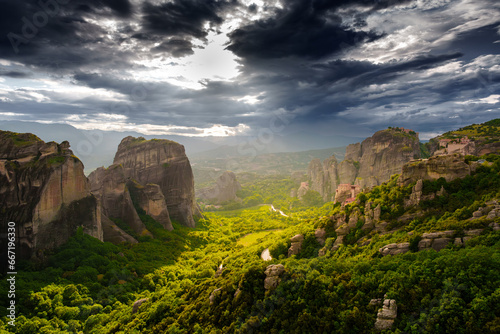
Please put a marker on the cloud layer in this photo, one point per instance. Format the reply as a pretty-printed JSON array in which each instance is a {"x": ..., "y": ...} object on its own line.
[{"x": 227, "y": 67}]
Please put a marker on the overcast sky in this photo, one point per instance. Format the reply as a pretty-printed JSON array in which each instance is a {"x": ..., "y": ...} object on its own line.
[{"x": 317, "y": 69}]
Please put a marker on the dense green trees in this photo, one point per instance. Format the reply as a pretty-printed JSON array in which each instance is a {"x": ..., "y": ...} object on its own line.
[{"x": 203, "y": 281}]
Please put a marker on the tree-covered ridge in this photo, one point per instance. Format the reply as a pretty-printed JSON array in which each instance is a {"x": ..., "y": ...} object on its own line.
[
  {"x": 488, "y": 131},
  {"x": 205, "y": 281}
]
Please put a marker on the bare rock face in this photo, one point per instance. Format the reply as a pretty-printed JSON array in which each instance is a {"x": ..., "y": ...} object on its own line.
[
  {"x": 323, "y": 176},
  {"x": 224, "y": 190},
  {"x": 44, "y": 191},
  {"x": 303, "y": 189},
  {"x": 137, "y": 304},
  {"x": 112, "y": 233},
  {"x": 296, "y": 245},
  {"x": 386, "y": 315},
  {"x": 383, "y": 155},
  {"x": 273, "y": 273},
  {"x": 109, "y": 185},
  {"x": 394, "y": 249},
  {"x": 320, "y": 235},
  {"x": 450, "y": 167},
  {"x": 161, "y": 162},
  {"x": 366, "y": 164},
  {"x": 150, "y": 199}
]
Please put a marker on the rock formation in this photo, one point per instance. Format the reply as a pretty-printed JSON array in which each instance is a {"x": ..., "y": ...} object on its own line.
[
  {"x": 386, "y": 315},
  {"x": 273, "y": 273},
  {"x": 366, "y": 164},
  {"x": 394, "y": 249},
  {"x": 450, "y": 167},
  {"x": 143, "y": 173},
  {"x": 162, "y": 162},
  {"x": 45, "y": 192},
  {"x": 296, "y": 245},
  {"x": 303, "y": 189},
  {"x": 137, "y": 304},
  {"x": 224, "y": 190},
  {"x": 150, "y": 199},
  {"x": 320, "y": 235},
  {"x": 323, "y": 177},
  {"x": 110, "y": 187}
]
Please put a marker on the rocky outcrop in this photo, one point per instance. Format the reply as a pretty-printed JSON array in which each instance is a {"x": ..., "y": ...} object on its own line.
[
  {"x": 224, "y": 190},
  {"x": 273, "y": 276},
  {"x": 383, "y": 155},
  {"x": 394, "y": 249},
  {"x": 296, "y": 245},
  {"x": 417, "y": 195},
  {"x": 366, "y": 164},
  {"x": 112, "y": 233},
  {"x": 215, "y": 293},
  {"x": 323, "y": 177},
  {"x": 450, "y": 167},
  {"x": 320, "y": 235},
  {"x": 161, "y": 162},
  {"x": 303, "y": 189},
  {"x": 150, "y": 199},
  {"x": 45, "y": 192},
  {"x": 137, "y": 304},
  {"x": 386, "y": 315},
  {"x": 109, "y": 185}
]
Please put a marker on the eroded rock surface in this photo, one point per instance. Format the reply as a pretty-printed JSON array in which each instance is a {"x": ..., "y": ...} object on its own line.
[
  {"x": 162, "y": 162},
  {"x": 44, "y": 191},
  {"x": 224, "y": 190},
  {"x": 273, "y": 273}
]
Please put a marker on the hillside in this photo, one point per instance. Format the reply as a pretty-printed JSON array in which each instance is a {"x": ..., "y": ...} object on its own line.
[
  {"x": 417, "y": 254},
  {"x": 475, "y": 139}
]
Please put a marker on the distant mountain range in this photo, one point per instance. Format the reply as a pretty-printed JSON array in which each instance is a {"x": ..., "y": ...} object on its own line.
[{"x": 97, "y": 148}]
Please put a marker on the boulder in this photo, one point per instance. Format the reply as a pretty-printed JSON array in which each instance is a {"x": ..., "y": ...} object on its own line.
[
  {"x": 273, "y": 273},
  {"x": 320, "y": 235},
  {"x": 386, "y": 315},
  {"x": 137, "y": 304},
  {"x": 214, "y": 295},
  {"x": 296, "y": 245}
]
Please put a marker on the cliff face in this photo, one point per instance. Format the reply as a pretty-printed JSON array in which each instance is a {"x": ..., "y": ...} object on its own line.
[
  {"x": 323, "y": 177},
  {"x": 164, "y": 163},
  {"x": 224, "y": 190},
  {"x": 383, "y": 155},
  {"x": 450, "y": 167},
  {"x": 110, "y": 187},
  {"x": 44, "y": 191},
  {"x": 366, "y": 164}
]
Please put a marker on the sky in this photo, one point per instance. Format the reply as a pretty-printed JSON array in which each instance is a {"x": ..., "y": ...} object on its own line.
[{"x": 321, "y": 71}]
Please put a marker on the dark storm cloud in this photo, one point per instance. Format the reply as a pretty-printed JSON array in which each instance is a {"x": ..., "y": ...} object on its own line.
[
  {"x": 185, "y": 18},
  {"x": 56, "y": 34},
  {"x": 310, "y": 29},
  {"x": 15, "y": 74},
  {"x": 175, "y": 47}
]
